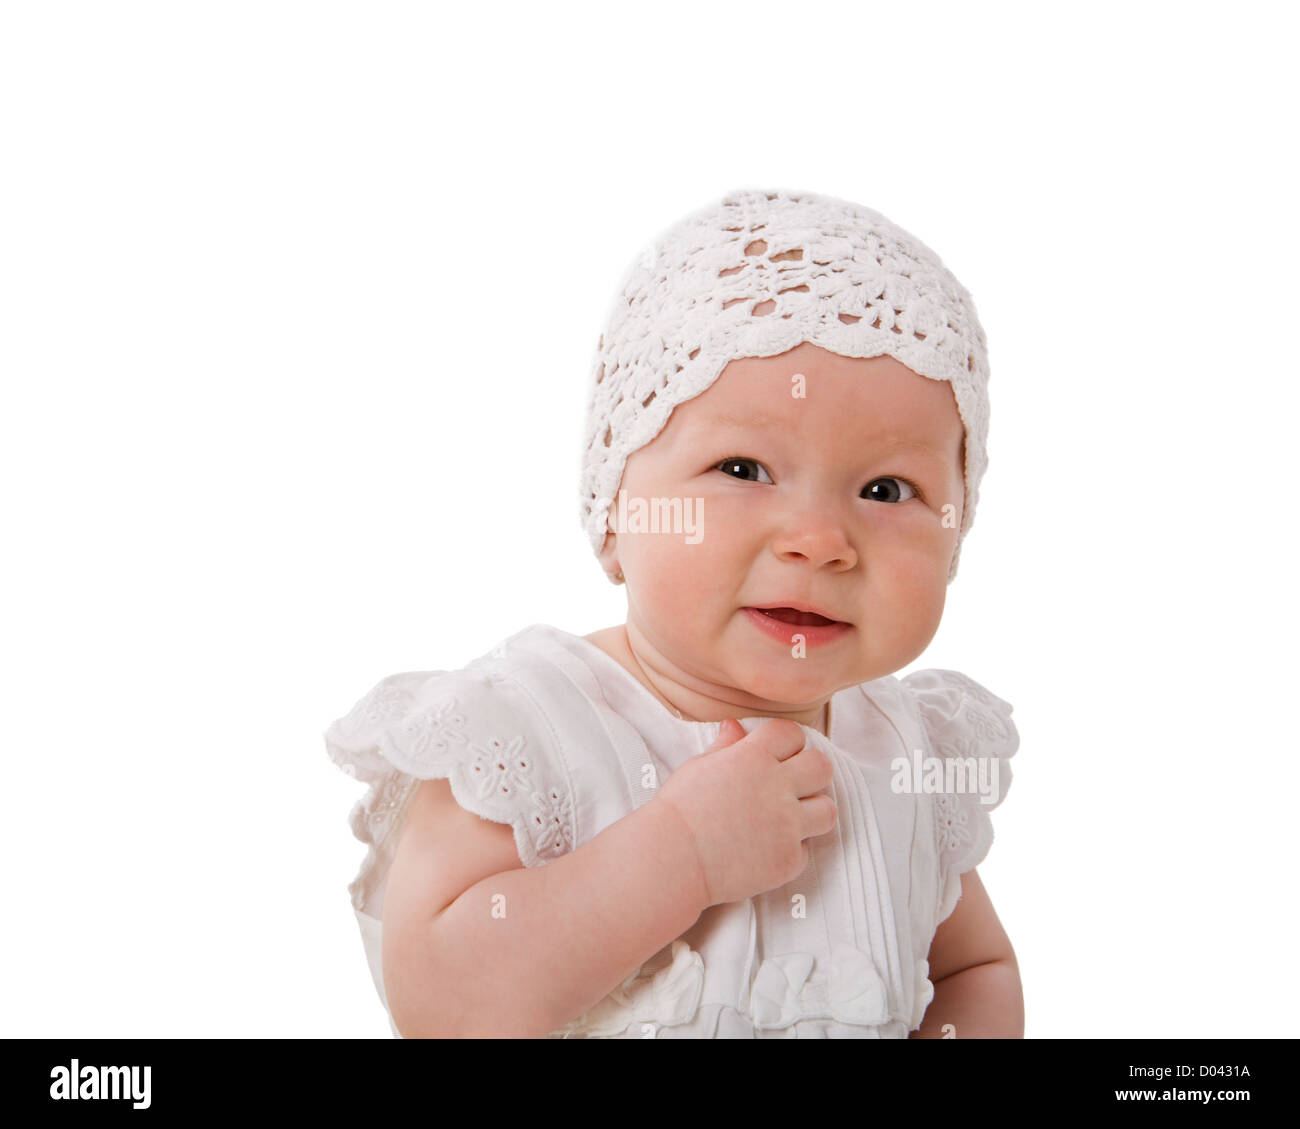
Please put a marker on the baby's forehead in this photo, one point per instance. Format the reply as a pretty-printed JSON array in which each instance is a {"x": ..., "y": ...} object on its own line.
[{"x": 811, "y": 387}]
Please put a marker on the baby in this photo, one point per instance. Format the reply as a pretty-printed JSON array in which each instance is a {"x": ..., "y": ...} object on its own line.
[{"x": 726, "y": 817}]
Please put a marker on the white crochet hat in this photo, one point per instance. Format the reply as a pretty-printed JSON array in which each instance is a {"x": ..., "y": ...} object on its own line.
[{"x": 753, "y": 276}]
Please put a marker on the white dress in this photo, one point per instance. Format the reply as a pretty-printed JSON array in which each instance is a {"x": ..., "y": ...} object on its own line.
[{"x": 550, "y": 735}]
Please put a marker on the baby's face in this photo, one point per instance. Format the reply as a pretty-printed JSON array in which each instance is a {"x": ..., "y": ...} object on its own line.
[{"x": 847, "y": 499}]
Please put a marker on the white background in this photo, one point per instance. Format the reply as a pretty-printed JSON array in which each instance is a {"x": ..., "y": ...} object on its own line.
[{"x": 298, "y": 308}]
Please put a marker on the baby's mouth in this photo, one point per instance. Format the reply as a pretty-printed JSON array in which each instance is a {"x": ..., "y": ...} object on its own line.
[{"x": 796, "y": 618}]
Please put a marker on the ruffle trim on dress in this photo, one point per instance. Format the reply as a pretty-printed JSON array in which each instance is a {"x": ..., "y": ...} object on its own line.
[
  {"x": 416, "y": 726},
  {"x": 968, "y": 725}
]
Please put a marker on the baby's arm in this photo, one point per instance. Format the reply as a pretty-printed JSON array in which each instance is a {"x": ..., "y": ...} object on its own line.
[
  {"x": 976, "y": 978},
  {"x": 475, "y": 945}
]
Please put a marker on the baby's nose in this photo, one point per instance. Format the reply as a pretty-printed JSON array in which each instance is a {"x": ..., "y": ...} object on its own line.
[{"x": 820, "y": 542}]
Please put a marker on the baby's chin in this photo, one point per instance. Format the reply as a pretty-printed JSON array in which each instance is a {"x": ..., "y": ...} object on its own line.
[
  {"x": 738, "y": 662},
  {"x": 782, "y": 682},
  {"x": 789, "y": 692}
]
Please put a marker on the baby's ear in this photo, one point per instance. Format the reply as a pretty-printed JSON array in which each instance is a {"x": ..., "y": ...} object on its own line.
[{"x": 608, "y": 557}]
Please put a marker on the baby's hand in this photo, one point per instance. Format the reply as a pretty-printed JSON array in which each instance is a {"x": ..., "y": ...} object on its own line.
[{"x": 750, "y": 801}]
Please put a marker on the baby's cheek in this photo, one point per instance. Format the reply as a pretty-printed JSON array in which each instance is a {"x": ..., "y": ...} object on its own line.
[
  {"x": 693, "y": 583},
  {"x": 916, "y": 589},
  {"x": 926, "y": 613},
  {"x": 668, "y": 571}
]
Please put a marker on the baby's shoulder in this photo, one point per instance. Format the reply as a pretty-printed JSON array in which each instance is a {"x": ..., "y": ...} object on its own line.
[
  {"x": 419, "y": 720},
  {"x": 956, "y": 712},
  {"x": 511, "y": 731}
]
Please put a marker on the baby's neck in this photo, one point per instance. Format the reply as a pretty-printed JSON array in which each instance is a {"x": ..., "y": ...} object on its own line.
[{"x": 614, "y": 642}]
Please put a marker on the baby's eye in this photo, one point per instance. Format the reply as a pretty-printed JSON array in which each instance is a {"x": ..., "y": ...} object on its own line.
[
  {"x": 743, "y": 465},
  {"x": 887, "y": 490}
]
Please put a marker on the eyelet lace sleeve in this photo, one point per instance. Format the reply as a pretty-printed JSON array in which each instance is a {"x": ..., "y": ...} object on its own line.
[
  {"x": 477, "y": 729},
  {"x": 971, "y": 729}
]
